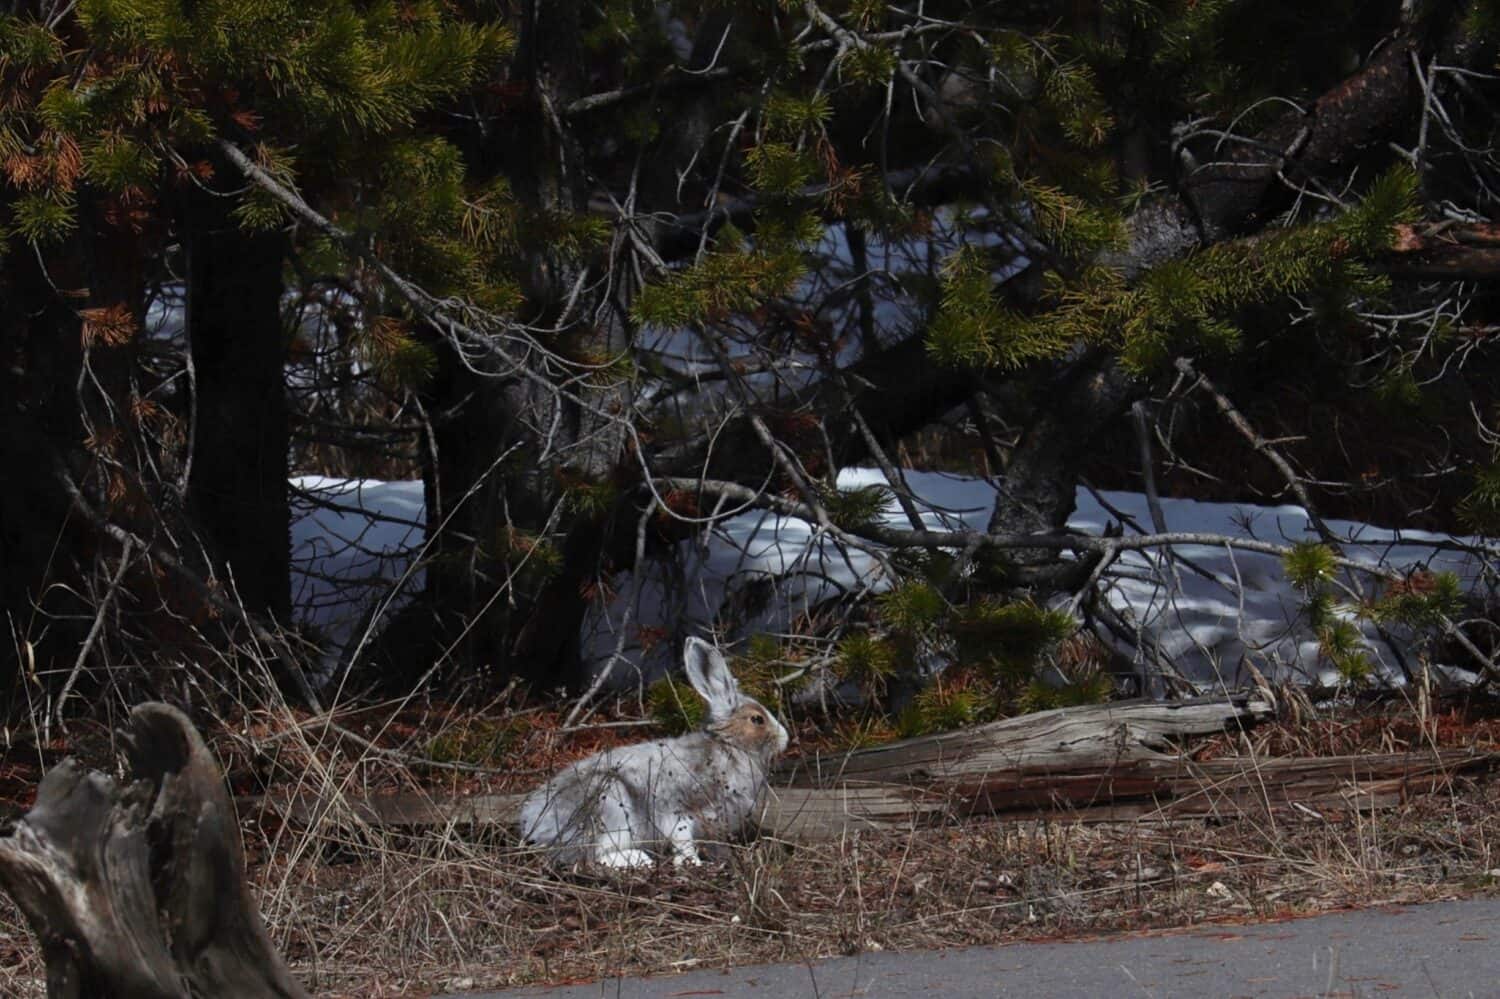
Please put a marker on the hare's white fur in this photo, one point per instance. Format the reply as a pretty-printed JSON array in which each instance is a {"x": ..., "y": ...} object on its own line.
[{"x": 670, "y": 792}]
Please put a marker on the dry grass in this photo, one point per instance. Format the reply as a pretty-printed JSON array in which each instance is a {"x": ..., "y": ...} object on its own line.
[{"x": 372, "y": 913}]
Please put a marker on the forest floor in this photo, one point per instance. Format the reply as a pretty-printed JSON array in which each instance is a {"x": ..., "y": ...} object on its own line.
[{"x": 368, "y": 912}]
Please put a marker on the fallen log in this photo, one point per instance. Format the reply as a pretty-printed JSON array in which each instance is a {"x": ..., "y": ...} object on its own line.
[
  {"x": 1091, "y": 736},
  {"x": 1104, "y": 762},
  {"x": 138, "y": 889},
  {"x": 1110, "y": 762},
  {"x": 926, "y": 779},
  {"x": 1145, "y": 790},
  {"x": 1227, "y": 789}
]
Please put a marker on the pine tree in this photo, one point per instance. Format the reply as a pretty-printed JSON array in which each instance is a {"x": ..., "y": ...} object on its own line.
[{"x": 854, "y": 217}]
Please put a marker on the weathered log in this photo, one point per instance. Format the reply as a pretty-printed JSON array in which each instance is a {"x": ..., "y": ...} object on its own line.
[
  {"x": 929, "y": 778},
  {"x": 1152, "y": 790},
  {"x": 1160, "y": 790},
  {"x": 1097, "y": 763},
  {"x": 1107, "y": 762},
  {"x": 138, "y": 889},
  {"x": 1092, "y": 736}
]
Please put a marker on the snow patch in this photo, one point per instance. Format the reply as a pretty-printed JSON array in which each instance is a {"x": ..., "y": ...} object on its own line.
[
  {"x": 353, "y": 541},
  {"x": 1208, "y": 610}
]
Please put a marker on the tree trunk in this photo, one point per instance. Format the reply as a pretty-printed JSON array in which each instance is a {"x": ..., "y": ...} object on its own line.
[
  {"x": 238, "y": 488},
  {"x": 505, "y": 445},
  {"x": 39, "y": 423},
  {"x": 139, "y": 889},
  {"x": 1040, "y": 482}
]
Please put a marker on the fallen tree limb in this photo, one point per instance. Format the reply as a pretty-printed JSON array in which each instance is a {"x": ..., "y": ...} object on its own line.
[
  {"x": 139, "y": 889},
  {"x": 1089, "y": 736},
  {"x": 1145, "y": 790},
  {"x": 1092, "y": 736},
  {"x": 1142, "y": 790},
  {"x": 1109, "y": 762}
]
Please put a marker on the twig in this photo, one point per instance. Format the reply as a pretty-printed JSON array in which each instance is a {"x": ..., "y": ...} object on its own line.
[
  {"x": 891, "y": 472},
  {"x": 127, "y": 548},
  {"x": 676, "y": 78},
  {"x": 601, "y": 726},
  {"x": 1261, "y": 445},
  {"x": 638, "y": 573},
  {"x": 1148, "y": 465},
  {"x": 818, "y": 514},
  {"x": 289, "y": 661}
]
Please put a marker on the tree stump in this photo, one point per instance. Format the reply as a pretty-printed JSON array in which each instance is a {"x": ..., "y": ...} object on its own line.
[{"x": 138, "y": 889}]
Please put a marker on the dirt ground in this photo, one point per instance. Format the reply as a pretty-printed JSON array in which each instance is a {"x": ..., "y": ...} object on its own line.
[{"x": 372, "y": 913}]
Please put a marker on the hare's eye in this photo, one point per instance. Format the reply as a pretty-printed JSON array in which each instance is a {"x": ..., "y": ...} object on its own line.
[{"x": 758, "y": 719}]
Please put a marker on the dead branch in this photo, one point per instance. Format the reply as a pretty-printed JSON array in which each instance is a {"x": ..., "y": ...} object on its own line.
[
  {"x": 1445, "y": 251},
  {"x": 1261, "y": 445},
  {"x": 960, "y": 539},
  {"x": 289, "y": 662},
  {"x": 127, "y": 551}
]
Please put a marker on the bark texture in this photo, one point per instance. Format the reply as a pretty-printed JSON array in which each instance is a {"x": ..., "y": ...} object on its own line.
[
  {"x": 238, "y": 488},
  {"x": 138, "y": 889}
]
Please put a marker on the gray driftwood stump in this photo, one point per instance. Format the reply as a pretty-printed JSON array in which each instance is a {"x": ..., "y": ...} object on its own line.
[{"x": 138, "y": 889}]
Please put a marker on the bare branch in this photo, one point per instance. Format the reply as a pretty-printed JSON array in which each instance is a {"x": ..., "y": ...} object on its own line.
[{"x": 1261, "y": 445}]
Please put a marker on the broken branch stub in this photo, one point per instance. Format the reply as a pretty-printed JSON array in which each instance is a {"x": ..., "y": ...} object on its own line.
[{"x": 138, "y": 890}]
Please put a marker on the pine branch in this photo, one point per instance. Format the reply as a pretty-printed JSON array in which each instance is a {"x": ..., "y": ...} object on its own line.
[
  {"x": 925, "y": 185},
  {"x": 438, "y": 313}
]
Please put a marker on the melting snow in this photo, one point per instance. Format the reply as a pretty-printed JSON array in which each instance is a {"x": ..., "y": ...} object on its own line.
[{"x": 1209, "y": 610}]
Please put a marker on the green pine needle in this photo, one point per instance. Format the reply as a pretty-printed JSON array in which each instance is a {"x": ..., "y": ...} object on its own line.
[
  {"x": 1309, "y": 565},
  {"x": 912, "y": 607},
  {"x": 44, "y": 217},
  {"x": 856, "y": 508},
  {"x": 866, "y": 660},
  {"x": 1009, "y": 638},
  {"x": 675, "y": 707}
]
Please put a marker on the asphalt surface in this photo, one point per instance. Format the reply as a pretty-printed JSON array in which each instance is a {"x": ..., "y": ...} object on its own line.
[{"x": 1443, "y": 949}]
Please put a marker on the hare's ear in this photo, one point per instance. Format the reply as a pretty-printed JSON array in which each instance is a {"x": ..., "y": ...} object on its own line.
[{"x": 709, "y": 674}]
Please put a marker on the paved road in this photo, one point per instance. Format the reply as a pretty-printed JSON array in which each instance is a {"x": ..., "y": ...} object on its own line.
[{"x": 1445, "y": 949}]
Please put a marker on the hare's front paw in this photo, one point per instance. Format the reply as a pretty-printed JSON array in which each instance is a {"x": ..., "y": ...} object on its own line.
[
  {"x": 684, "y": 850},
  {"x": 624, "y": 858}
]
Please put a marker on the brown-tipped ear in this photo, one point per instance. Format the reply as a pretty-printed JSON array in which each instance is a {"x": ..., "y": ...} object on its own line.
[{"x": 709, "y": 674}]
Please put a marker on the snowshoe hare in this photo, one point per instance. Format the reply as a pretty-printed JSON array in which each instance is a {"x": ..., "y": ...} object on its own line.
[{"x": 613, "y": 806}]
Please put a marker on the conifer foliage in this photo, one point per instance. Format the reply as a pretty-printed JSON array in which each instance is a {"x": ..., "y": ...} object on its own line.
[{"x": 604, "y": 273}]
